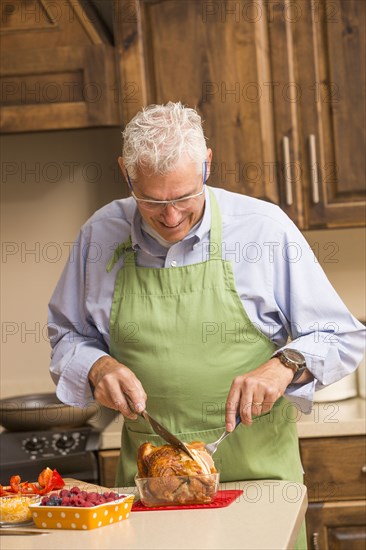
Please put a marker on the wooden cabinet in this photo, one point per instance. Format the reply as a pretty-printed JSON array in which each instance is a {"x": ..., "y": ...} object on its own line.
[
  {"x": 57, "y": 67},
  {"x": 318, "y": 69},
  {"x": 279, "y": 85},
  {"x": 335, "y": 476},
  {"x": 336, "y": 526},
  {"x": 108, "y": 461}
]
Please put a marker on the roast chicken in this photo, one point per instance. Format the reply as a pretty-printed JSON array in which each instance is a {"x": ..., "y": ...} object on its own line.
[{"x": 174, "y": 477}]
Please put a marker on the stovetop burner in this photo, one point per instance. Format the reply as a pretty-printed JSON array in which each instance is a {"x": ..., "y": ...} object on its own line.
[{"x": 15, "y": 446}]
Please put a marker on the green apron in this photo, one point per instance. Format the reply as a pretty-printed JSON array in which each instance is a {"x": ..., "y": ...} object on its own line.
[{"x": 185, "y": 334}]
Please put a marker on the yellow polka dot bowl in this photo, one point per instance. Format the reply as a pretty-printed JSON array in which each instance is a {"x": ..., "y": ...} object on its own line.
[{"x": 72, "y": 517}]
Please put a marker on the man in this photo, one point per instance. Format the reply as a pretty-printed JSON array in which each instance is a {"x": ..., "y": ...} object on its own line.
[{"x": 189, "y": 306}]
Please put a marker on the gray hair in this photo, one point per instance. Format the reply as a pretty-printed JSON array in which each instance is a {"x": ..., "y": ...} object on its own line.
[{"x": 157, "y": 137}]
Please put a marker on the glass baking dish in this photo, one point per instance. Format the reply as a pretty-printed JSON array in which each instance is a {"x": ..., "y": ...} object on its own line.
[{"x": 177, "y": 490}]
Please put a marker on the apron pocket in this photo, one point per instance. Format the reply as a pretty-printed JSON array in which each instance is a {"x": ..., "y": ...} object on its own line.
[{"x": 137, "y": 438}]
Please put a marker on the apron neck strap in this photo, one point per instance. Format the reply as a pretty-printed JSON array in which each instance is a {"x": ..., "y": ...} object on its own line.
[
  {"x": 216, "y": 228},
  {"x": 215, "y": 239},
  {"x": 122, "y": 248}
]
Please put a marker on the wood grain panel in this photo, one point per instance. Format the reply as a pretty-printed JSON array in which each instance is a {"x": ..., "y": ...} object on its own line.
[
  {"x": 284, "y": 92},
  {"x": 336, "y": 526},
  {"x": 108, "y": 462},
  {"x": 334, "y": 468},
  {"x": 329, "y": 54}
]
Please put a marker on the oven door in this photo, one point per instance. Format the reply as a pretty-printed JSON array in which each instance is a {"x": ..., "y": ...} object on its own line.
[{"x": 83, "y": 466}]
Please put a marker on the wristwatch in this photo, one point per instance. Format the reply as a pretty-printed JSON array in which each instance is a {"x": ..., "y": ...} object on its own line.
[{"x": 294, "y": 360}]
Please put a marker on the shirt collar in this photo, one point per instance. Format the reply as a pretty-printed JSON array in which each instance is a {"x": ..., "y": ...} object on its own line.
[{"x": 141, "y": 240}]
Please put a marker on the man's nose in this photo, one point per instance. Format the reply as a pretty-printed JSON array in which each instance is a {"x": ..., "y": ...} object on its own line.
[{"x": 171, "y": 214}]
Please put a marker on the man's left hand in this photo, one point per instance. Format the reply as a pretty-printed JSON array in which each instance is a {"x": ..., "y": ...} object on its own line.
[{"x": 255, "y": 393}]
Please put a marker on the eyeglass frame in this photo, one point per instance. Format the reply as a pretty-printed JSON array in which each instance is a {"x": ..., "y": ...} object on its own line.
[{"x": 172, "y": 202}]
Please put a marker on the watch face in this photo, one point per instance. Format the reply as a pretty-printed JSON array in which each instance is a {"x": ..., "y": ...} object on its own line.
[{"x": 295, "y": 356}]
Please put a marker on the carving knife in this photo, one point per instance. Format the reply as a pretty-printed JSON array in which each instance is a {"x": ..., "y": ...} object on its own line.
[{"x": 166, "y": 435}]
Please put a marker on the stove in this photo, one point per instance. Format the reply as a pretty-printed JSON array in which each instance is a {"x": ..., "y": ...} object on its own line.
[{"x": 71, "y": 451}]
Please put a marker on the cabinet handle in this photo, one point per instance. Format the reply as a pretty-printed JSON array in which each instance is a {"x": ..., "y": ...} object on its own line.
[
  {"x": 314, "y": 170},
  {"x": 287, "y": 170},
  {"x": 363, "y": 469},
  {"x": 315, "y": 538}
]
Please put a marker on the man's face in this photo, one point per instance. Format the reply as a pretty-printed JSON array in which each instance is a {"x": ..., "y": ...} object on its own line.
[{"x": 171, "y": 224}]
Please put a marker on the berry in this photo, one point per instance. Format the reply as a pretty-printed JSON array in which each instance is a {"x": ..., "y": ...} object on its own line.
[
  {"x": 54, "y": 501},
  {"x": 81, "y": 499}
]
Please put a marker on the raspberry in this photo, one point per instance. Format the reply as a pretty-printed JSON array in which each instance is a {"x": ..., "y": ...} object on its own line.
[{"x": 78, "y": 498}]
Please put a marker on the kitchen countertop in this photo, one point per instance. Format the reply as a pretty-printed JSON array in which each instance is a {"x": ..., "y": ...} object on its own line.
[
  {"x": 267, "y": 515},
  {"x": 329, "y": 419},
  {"x": 334, "y": 418}
]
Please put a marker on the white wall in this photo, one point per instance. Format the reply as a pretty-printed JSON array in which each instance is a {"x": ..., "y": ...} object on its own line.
[
  {"x": 51, "y": 183},
  {"x": 342, "y": 254}
]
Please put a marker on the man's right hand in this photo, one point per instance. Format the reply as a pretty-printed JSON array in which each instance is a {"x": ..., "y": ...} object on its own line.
[{"x": 116, "y": 386}]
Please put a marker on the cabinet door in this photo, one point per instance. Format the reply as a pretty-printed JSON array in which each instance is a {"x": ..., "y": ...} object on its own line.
[
  {"x": 57, "y": 67},
  {"x": 336, "y": 526},
  {"x": 330, "y": 65},
  {"x": 285, "y": 94},
  {"x": 334, "y": 468},
  {"x": 108, "y": 461},
  {"x": 212, "y": 56}
]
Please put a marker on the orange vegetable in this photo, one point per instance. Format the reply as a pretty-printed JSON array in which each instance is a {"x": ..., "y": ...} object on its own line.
[{"x": 48, "y": 480}]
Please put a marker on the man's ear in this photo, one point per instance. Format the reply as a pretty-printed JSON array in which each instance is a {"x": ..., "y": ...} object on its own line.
[
  {"x": 208, "y": 161},
  {"x": 122, "y": 167}
]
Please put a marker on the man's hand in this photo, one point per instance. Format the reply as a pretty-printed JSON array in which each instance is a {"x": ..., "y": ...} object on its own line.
[
  {"x": 255, "y": 393},
  {"x": 116, "y": 386}
]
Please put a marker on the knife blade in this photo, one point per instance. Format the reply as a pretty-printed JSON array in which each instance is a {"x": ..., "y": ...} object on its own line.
[
  {"x": 4, "y": 531},
  {"x": 166, "y": 434}
]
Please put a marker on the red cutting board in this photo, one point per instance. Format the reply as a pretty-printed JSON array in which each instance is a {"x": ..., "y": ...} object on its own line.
[{"x": 221, "y": 500}]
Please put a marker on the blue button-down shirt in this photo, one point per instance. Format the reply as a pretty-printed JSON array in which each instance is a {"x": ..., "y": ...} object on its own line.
[{"x": 280, "y": 283}]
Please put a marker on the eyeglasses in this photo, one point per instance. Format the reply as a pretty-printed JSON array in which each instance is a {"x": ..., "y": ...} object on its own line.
[{"x": 184, "y": 203}]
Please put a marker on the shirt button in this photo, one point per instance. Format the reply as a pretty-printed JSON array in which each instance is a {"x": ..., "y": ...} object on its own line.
[{"x": 173, "y": 263}]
